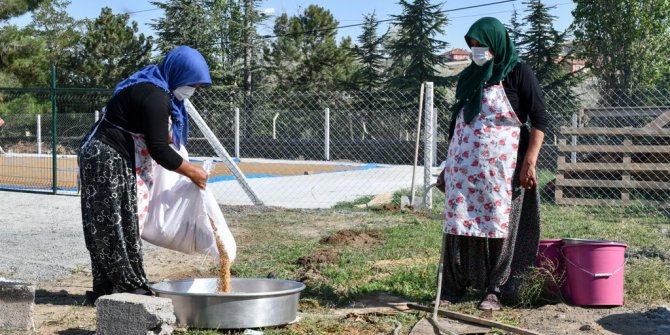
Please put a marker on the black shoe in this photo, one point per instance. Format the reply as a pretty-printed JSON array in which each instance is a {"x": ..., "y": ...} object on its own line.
[
  {"x": 140, "y": 291},
  {"x": 91, "y": 297},
  {"x": 490, "y": 302}
]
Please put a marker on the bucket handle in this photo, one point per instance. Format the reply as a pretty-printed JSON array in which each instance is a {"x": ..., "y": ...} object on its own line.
[{"x": 596, "y": 275}]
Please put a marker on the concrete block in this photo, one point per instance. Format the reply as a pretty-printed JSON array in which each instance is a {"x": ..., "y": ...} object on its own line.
[
  {"x": 17, "y": 300},
  {"x": 132, "y": 314}
]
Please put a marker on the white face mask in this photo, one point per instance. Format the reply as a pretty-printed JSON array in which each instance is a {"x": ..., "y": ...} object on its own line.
[
  {"x": 183, "y": 92},
  {"x": 481, "y": 55}
]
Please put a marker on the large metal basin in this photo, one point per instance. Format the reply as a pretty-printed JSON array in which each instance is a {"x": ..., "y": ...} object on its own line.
[{"x": 254, "y": 303}]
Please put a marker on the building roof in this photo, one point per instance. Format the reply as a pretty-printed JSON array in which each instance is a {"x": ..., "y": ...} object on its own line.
[{"x": 457, "y": 52}]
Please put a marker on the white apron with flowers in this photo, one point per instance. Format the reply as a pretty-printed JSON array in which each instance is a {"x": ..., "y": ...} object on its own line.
[
  {"x": 479, "y": 169},
  {"x": 144, "y": 173}
]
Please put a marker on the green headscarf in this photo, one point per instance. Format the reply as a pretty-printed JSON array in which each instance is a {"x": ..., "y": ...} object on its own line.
[{"x": 489, "y": 32}]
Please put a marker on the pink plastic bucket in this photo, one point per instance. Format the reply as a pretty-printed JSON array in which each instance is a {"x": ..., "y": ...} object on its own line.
[
  {"x": 549, "y": 258},
  {"x": 595, "y": 272}
]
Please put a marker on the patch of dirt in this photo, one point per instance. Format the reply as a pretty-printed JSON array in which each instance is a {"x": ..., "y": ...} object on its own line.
[
  {"x": 310, "y": 275},
  {"x": 58, "y": 305},
  {"x": 566, "y": 319},
  {"x": 353, "y": 238},
  {"x": 310, "y": 265},
  {"x": 388, "y": 264},
  {"x": 319, "y": 257},
  {"x": 243, "y": 210}
]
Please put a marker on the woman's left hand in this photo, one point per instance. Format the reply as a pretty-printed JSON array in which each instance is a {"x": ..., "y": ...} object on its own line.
[{"x": 527, "y": 177}]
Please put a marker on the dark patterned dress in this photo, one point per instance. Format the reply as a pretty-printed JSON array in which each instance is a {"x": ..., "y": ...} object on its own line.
[{"x": 110, "y": 219}]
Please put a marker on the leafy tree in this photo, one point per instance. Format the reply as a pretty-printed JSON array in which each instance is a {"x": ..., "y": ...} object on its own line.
[
  {"x": 110, "y": 50},
  {"x": 416, "y": 52},
  {"x": 624, "y": 42},
  {"x": 12, "y": 8},
  {"x": 370, "y": 55}
]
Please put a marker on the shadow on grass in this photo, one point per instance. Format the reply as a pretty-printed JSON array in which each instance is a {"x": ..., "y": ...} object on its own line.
[
  {"x": 324, "y": 294},
  {"x": 75, "y": 331},
  {"x": 654, "y": 321},
  {"x": 62, "y": 297}
]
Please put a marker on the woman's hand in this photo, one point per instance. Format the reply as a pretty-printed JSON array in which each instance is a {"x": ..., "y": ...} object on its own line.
[
  {"x": 440, "y": 182},
  {"x": 199, "y": 177},
  {"x": 527, "y": 177},
  {"x": 197, "y": 174}
]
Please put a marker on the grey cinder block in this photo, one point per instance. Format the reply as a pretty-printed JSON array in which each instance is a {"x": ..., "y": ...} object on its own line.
[
  {"x": 17, "y": 300},
  {"x": 132, "y": 314}
]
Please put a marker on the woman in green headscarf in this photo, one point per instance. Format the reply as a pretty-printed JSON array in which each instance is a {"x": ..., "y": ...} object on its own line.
[{"x": 492, "y": 214}]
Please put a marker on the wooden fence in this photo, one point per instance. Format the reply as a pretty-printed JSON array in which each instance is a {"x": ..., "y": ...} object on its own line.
[{"x": 616, "y": 166}]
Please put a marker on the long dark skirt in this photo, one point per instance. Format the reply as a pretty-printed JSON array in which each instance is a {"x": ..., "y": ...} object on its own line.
[
  {"x": 495, "y": 264},
  {"x": 109, "y": 215}
]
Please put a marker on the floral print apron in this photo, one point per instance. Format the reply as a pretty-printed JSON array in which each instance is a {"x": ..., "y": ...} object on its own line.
[
  {"x": 144, "y": 171},
  {"x": 479, "y": 168}
]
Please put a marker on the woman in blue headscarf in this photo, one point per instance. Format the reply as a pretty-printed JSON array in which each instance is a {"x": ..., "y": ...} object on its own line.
[{"x": 143, "y": 117}]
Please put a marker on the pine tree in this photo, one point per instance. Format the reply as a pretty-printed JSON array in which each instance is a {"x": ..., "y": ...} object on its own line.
[
  {"x": 543, "y": 46},
  {"x": 305, "y": 52},
  {"x": 282, "y": 56},
  {"x": 515, "y": 30},
  {"x": 50, "y": 39},
  {"x": 18, "y": 49},
  {"x": 186, "y": 22},
  {"x": 57, "y": 28},
  {"x": 111, "y": 50},
  {"x": 416, "y": 52},
  {"x": 228, "y": 29},
  {"x": 370, "y": 55},
  {"x": 12, "y": 8},
  {"x": 346, "y": 68}
]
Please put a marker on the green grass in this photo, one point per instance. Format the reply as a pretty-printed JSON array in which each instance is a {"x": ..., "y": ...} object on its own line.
[{"x": 404, "y": 260}]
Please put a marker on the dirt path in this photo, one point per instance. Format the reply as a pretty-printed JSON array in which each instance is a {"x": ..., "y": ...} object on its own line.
[{"x": 58, "y": 307}]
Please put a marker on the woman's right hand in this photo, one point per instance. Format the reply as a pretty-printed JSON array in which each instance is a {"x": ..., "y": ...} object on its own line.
[
  {"x": 197, "y": 174},
  {"x": 199, "y": 177}
]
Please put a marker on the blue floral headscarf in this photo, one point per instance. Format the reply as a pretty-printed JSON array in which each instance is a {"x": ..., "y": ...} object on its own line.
[{"x": 183, "y": 66}]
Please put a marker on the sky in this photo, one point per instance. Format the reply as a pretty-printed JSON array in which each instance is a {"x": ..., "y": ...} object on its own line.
[{"x": 346, "y": 12}]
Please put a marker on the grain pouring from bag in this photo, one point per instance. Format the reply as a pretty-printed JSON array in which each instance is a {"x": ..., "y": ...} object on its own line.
[{"x": 223, "y": 282}]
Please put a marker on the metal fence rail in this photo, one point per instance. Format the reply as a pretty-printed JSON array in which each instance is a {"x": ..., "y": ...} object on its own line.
[{"x": 303, "y": 149}]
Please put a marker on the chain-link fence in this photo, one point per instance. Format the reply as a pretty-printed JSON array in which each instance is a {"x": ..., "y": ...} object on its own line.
[
  {"x": 604, "y": 148},
  {"x": 28, "y": 161}
]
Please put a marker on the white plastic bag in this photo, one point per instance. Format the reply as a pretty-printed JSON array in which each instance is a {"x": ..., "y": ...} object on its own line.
[{"x": 179, "y": 216}]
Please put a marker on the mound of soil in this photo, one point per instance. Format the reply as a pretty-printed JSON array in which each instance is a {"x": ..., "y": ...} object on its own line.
[{"x": 319, "y": 257}]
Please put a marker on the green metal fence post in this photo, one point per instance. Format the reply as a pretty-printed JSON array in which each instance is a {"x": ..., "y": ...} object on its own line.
[{"x": 54, "y": 157}]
